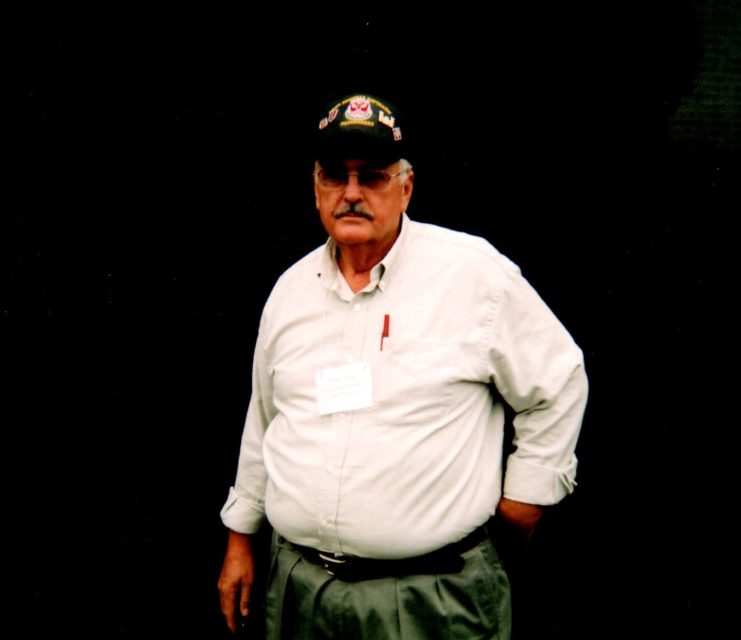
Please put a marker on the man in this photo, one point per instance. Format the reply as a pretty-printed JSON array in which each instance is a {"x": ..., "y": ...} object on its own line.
[{"x": 374, "y": 437}]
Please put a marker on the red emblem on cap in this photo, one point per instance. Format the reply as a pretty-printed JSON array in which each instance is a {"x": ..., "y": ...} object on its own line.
[{"x": 359, "y": 109}]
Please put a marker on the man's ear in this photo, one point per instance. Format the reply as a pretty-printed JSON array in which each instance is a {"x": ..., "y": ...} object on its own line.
[
  {"x": 406, "y": 189},
  {"x": 316, "y": 190}
]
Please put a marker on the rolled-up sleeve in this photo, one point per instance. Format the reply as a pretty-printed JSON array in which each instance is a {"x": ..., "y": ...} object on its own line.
[
  {"x": 244, "y": 509},
  {"x": 539, "y": 371}
]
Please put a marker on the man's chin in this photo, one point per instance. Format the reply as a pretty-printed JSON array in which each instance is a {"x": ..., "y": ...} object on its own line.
[{"x": 352, "y": 232}]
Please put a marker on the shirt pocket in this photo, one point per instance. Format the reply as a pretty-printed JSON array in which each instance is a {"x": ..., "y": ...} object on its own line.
[{"x": 413, "y": 382}]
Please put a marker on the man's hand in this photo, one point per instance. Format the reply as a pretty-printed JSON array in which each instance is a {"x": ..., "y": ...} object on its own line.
[
  {"x": 521, "y": 515},
  {"x": 237, "y": 576}
]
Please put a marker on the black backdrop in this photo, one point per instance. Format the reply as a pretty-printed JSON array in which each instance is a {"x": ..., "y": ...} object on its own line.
[{"x": 159, "y": 182}]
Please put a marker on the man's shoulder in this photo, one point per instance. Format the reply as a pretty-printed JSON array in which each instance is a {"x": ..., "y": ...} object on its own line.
[
  {"x": 434, "y": 233},
  {"x": 296, "y": 273},
  {"x": 459, "y": 247},
  {"x": 306, "y": 263}
]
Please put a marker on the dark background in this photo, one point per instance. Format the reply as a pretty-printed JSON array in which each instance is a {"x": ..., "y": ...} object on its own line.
[{"x": 159, "y": 181}]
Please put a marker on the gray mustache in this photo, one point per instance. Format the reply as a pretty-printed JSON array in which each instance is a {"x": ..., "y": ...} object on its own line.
[{"x": 352, "y": 209}]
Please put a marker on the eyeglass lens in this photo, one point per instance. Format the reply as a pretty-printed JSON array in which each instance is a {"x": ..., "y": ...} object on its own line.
[{"x": 371, "y": 179}]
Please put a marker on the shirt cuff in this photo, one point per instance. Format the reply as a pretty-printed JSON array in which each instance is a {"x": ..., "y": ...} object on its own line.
[
  {"x": 537, "y": 484},
  {"x": 241, "y": 514}
]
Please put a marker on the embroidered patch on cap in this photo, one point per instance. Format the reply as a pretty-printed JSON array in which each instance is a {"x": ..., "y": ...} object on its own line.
[
  {"x": 359, "y": 109},
  {"x": 387, "y": 120}
]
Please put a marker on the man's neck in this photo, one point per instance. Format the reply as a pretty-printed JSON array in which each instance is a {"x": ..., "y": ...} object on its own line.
[{"x": 357, "y": 261}]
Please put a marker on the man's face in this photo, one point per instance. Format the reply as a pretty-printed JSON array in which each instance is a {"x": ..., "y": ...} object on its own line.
[{"x": 354, "y": 214}]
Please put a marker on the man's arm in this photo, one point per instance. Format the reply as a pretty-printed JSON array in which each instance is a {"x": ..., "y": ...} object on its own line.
[
  {"x": 236, "y": 579},
  {"x": 243, "y": 511},
  {"x": 539, "y": 372}
]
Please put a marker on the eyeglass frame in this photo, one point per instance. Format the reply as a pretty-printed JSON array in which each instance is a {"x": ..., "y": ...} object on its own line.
[{"x": 357, "y": 174}]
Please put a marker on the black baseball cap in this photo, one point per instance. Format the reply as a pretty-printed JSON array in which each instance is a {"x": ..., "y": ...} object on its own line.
[{"x": 360, "y": 126}]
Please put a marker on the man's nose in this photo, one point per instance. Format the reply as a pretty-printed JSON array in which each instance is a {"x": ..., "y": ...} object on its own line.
[{"x": 353, "y": 192}]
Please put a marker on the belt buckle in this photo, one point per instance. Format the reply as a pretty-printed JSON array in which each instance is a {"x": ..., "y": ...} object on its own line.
[{"x": 331, "y": 562}]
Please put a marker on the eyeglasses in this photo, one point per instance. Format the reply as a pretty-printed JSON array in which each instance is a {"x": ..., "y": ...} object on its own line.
[{"x": 372, "y": 179}]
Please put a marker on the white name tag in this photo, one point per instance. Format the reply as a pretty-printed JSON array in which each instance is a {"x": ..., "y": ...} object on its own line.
[{"x": 344, "y": 388}]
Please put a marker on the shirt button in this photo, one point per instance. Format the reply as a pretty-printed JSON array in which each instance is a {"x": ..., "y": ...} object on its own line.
[
  {"x": 358, "y": 307},
  {"x": 330, "y": 468}
]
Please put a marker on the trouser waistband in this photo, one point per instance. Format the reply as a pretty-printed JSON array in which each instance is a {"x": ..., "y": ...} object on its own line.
[{"x": 448, "y": 559}]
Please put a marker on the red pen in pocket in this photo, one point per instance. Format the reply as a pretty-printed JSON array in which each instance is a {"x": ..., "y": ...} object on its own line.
[{"x": 386, "y": 324}]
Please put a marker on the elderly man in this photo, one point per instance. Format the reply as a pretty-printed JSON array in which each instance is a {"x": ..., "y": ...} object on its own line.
[{"x": 373, "y": 441}]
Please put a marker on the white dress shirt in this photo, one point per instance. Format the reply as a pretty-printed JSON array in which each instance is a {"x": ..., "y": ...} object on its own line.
[{"x": 422, "y": 466}]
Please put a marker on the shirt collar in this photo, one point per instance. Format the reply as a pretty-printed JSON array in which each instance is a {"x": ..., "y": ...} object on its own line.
[{"x": 329, "y": 273}]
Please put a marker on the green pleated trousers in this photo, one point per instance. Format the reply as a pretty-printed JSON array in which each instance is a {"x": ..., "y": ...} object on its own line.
[{"x": 304, "y": 602}]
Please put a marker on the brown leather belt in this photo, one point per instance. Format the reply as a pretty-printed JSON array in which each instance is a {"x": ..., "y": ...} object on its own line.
[{"x": 352, "y": 569}]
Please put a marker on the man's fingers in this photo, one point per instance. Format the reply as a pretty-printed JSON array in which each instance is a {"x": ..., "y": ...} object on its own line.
[
  {"x": 228, "y": 608},
  {"x": 244, "y": 598}
]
